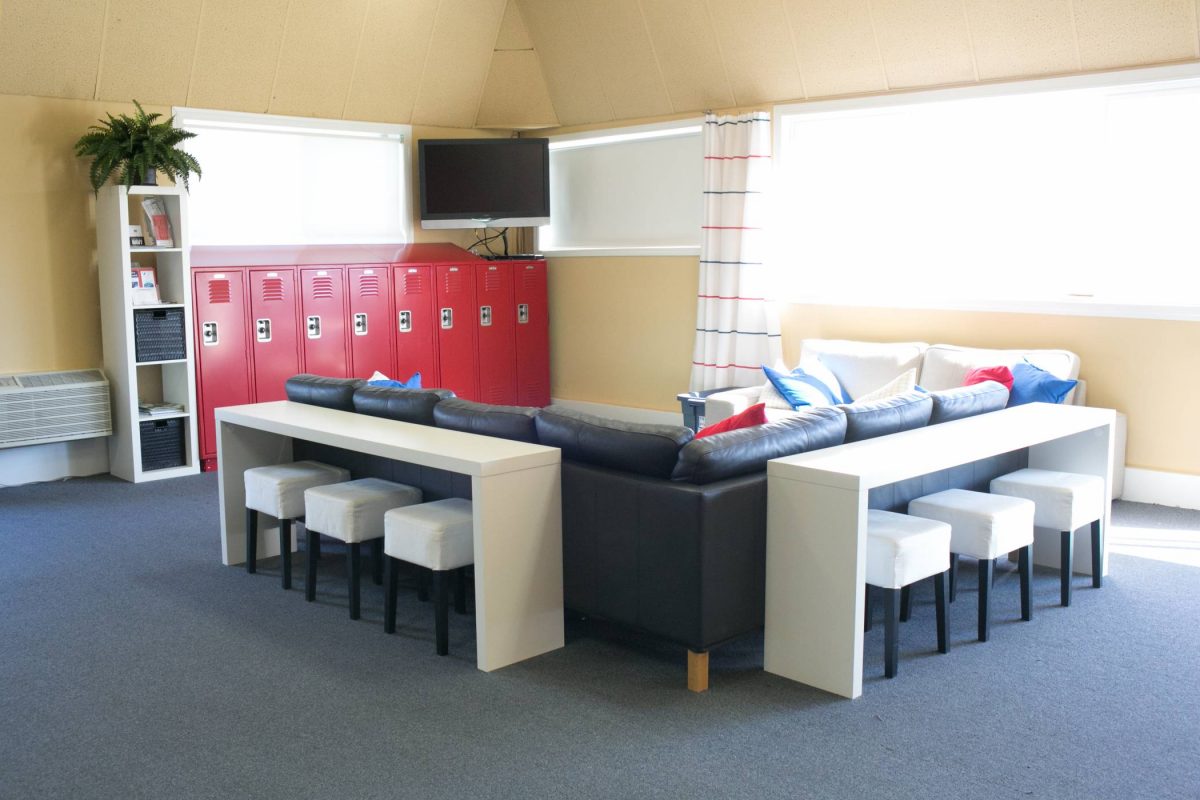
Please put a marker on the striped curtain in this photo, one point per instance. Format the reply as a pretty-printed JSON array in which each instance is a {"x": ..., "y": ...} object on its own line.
[{"x": 737, "y": 323}]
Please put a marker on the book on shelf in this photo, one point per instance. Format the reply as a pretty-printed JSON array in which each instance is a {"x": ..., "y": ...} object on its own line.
[
  {"x": 144, "y": 283},
  {"x": 148, "y": 409},
  {"x": 158, "y": 224}
]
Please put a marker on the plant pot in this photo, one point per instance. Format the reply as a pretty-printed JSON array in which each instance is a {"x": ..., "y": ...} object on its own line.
[{"x": 150, "y": 178}]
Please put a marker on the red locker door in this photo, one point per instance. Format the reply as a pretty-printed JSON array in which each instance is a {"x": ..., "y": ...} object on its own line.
[
  {"x": 273, "y": 329},
  {"x": 222, "y": 358},
  {"x": 416, "y": 325},
  {"x": 456, "y": 314},
  {"x": 533, "y": 333},
  {"x": 323, "y": 322},
  {"x": 370, "y": 321},
  {"x": 497, "y": 320}
]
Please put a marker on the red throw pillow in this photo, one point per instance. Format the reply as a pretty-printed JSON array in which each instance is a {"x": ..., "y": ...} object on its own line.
[
  {"x": 998, "y": 374},
  {"x": 754, "y": 415}
]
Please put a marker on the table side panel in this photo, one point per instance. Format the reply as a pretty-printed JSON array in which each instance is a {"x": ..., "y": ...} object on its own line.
[
  {"x": 238, "y": 449},
  {"x": 1089, "y": 453}
]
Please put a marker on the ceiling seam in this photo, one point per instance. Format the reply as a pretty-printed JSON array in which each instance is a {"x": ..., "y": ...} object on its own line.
[
  {"x": 970, "y": 40},
  {"x": 425, "y": 64},
  {"x": 887, "y": 83},
  {"x": 1196, "y": 23},
  {"x": 100, "y": 57},
  {"x": 491, "y": 63},
  {"x": 720, "y": 54},
  {"x": 362, "y": 32},
  {"x": 187, "y": 97},
  {"x": 657, "y": 61},
  {"x": 287, "y": 17},
  {"x": 787, "y": 20},
  {"x": 1075, "y": 35}
]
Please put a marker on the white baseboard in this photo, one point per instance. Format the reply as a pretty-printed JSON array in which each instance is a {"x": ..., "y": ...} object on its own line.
[
  {"x": 52, "y": 462},
  {"x": 1162, "y": 488},
  {"x": 623, "y": 413}
]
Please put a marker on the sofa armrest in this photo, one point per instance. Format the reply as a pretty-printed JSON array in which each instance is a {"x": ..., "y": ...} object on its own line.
[{"x": 723, "y": 405}]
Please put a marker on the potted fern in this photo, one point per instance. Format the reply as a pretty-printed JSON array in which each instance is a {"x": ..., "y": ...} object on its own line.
[{"x": 136, "y": 148}]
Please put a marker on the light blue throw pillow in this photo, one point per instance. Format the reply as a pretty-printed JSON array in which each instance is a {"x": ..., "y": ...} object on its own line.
[
  {"x": 1035, "y": 385},
  {"x": 801, "y": 388}
]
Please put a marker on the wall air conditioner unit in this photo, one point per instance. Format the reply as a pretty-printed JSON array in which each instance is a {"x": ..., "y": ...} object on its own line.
[{"x": 41, "y": 407}]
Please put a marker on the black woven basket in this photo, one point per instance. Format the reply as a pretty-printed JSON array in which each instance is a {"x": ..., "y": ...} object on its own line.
[
  {"x": 162, "y": 443},
  {"x": 158, "y": 334}
]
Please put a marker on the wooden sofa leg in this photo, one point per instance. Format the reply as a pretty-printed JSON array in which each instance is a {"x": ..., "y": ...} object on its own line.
[{"x": 697, "y": 671}]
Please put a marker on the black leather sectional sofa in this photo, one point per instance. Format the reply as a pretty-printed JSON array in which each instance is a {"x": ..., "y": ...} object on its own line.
[{"x": 662, "y": 533}]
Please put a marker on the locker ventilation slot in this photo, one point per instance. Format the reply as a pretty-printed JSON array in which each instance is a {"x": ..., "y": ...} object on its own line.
[
  {"x": 530, "y": 280},
  {"x": 492, "y": 282},
  {"x": 453, "y": 282},
  {"x": 272, "y": 289},
  {"x": 369, "y": 286},
  {"x": 218, "y": 290},
  {"x": 414, "y": 284},
  {"x": 322, "y": 288}
]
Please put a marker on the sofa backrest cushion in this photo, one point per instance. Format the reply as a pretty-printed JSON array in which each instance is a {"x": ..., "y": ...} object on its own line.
[
  {"x": 900, "y": 412},
  {"x": 505, "y": 422},
  {"x": 862, "y": 367},
  {"x": 946, "y": 365},
  {"x": 316, "y": 390},
  {"x": 747, "y": 450},
  {"x": 636, "y": 447},
  {"x": 405, "y": 405},
  {"x": 967, "y": 401}
]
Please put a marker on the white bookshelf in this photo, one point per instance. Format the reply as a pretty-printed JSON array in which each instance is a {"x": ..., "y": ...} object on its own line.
[{"x": 171, "y": 381}]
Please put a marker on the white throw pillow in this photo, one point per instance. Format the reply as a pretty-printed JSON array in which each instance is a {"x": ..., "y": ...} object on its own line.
[{"x": 904, "y": 382}]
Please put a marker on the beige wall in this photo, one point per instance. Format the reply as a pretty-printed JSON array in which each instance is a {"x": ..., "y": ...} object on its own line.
[{"x": 49, "y": 296}]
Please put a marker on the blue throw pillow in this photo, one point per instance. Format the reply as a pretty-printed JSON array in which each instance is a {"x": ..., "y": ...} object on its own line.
[
  {"x": 412, "y": 383},
  {"x": 1034, "y": 385},
  {"x": 800, "y": 389}
]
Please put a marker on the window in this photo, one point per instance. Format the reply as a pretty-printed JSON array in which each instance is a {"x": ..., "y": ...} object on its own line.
[
  {"x": 1070, "y": 195},
  {"x": 634, "y": 191},
  {"x": 289, "y": 180}
]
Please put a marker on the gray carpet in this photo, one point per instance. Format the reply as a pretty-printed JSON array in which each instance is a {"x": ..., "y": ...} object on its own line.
[{"x": 133, "y": 665}]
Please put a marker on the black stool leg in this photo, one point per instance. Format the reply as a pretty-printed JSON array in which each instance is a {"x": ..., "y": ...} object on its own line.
[
  {"x": 389, "y": 598},
  {"x": 905, "y": 603},
  {"x": 251, "y": 541},
  {"x": 985, "y": 610},
  {"x": 460, "y": 590},
  {"x": 953, "y": 576},
  {"x": 891, "y": 631},
  {"x": 313, "y": 548},
  {"x": 867, "y": 609},
  {"x": 355, "y": 577},
  {"x": 422, "y": 584},
  {"x": 941, "y": 588},
  {"x": 1066, "y": 559},
  {"x": 441, "y": 611},
  {"x": 1025, "y": 564},
  {"x": 1097, "y": 554},
  {"x": 377, "y": 561},
  {"x": 285, "y": 551}
]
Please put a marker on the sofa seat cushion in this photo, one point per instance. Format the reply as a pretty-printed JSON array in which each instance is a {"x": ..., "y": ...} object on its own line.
[
  {"x": 862, "y": 367},
  {"x": 901, "y": 412},
  {"x": 946, "y": 366},
  {"x": 745, "y": 451},
  {"x": 404, "y": 405},
  {"x": 316, "y": 390},
  {"x": 644, "y": 449},
  {"x": 506, "y": 422},
  {"x": 967, "y": 401}
]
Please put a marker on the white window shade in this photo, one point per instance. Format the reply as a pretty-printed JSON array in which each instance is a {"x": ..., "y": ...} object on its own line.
[
  {"x": 617, "y": 192},
  {"x": 279, "y": 180}
]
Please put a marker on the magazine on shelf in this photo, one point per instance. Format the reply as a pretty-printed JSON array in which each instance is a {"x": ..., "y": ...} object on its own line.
[
  {"x": 148, "y": 409},
  {"x": 158, "y": 223},
  {"x": 144, "y": 283}
]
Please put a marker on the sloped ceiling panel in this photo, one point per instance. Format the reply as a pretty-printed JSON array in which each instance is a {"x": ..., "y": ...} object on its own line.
[
  {"x": 1114, "y": 33},
  {"x": 756, "y": 45},
  {"x": 316, "y": 60},
  {"x": 515, "y": 96},
  {"x": 147, "y": 51},
  {"x": 460, "y": 52},
  {"x": 923, "y": 42},
  {"x": 391, "y": 60},
  {"x": 682, "y": 34},
  {"x": 624, "y": 59},
  {"x": 835, "y": 43},
  {"x": 513, "y": 33},
  {"x": 237, "y": 49},
  {"x": 1022, "y": 37},
  {"x": 50, "y": 47},
  {"x": 569, "y": 54}
]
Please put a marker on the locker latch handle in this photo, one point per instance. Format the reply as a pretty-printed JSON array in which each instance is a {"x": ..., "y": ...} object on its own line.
[
  {"x": 314, "y": 327},
  {"x": 209, "y": 333},
  {"x": 523, "y": 313},
  {"x": 263, "y": 329},
  {"x": 405, "y": 321},
  {"x": 360, "y": 324},
  {"x": 447, "y": 317},
  {"x": 485, "y": 315}
]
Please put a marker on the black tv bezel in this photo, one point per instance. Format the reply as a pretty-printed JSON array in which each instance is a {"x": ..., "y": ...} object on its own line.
[{"x": 495, "y": 215}]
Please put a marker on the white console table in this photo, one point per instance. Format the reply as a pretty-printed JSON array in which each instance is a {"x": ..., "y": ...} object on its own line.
[
  {"x": 515, "y": 494},
  {"x": 816, "y": 523}
]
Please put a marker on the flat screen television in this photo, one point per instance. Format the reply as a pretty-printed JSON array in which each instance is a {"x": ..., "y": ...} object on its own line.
[{"x": 480, "y": 183}]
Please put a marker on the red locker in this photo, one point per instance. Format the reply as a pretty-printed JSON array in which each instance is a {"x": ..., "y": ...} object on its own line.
[
  {"x": 370, "y": 321},
  {"x": 497, "y": 319},
  {"x": 273, "y": 331},
  {"x": 323, "y": 322},
  {"x": 222, "y": 359},
  {"x": 416, "y": 325},
  {"x": 456, "y": 328},
  {"x": 532, "y": 333}
]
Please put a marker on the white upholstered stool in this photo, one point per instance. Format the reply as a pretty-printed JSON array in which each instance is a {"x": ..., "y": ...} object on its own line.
[
  {"x": 352, "y": 512},
  {"x": 438, "y": 536},
  {"x": 278, "y": 490},
  {"x": 902, "y": 550},
  {"x": 985, "y": 526},
  {"x": 1066, "y": 501}
]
